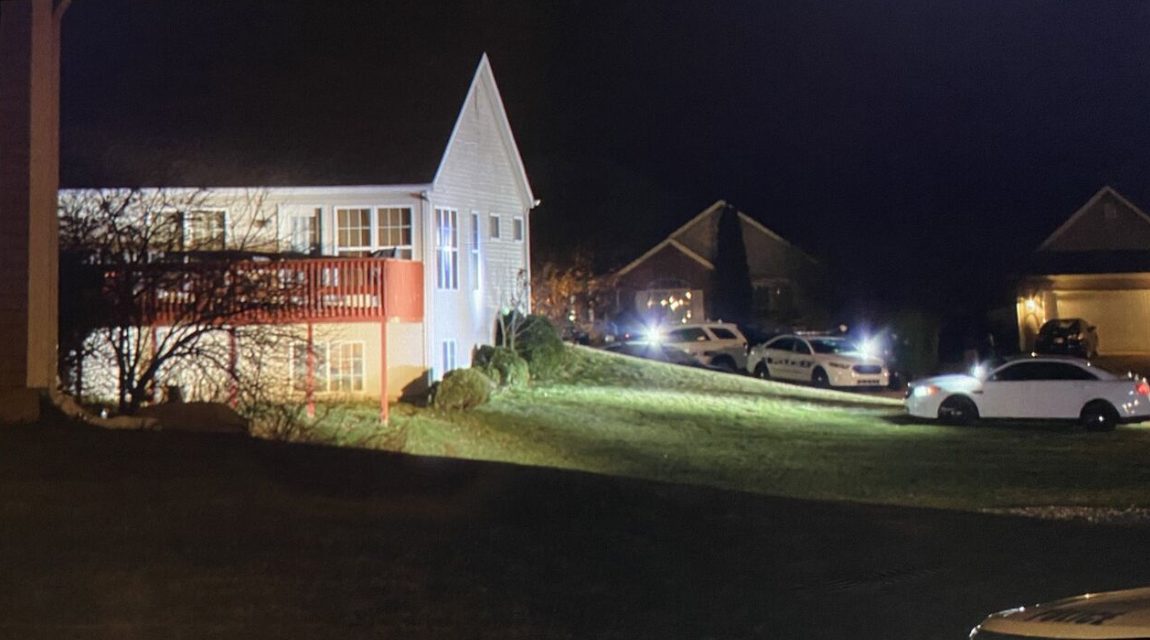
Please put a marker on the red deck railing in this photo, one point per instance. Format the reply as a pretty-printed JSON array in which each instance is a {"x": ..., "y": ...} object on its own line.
[{"x": 279, "y": 292}]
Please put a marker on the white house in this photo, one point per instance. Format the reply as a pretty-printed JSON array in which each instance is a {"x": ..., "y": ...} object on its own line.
[{"x": 442, "y": 194}]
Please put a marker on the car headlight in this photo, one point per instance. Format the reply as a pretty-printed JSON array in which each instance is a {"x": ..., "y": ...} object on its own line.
[
  {"x": 839, "y": 365},
  {"x": 924, "y": 391}
]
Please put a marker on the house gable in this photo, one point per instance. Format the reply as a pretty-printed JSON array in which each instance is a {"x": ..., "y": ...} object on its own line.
[
  {"x": 1107, "y": 222},
  {"x": 481, "y": 152}
]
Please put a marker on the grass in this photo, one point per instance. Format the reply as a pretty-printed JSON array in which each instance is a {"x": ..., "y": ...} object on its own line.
[{"x": 620, "y": 416}]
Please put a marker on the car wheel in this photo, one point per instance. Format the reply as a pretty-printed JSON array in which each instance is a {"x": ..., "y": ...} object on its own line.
[
  {"x": 958, "y": 410},
  {"x": 725, "y": 363},
  {"x": 819, "y": 378},
  {"x": 1099, "y": 416},
  {"x": 762, "y": 372}
]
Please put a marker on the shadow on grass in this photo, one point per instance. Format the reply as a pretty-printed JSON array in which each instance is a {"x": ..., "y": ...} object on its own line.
[{"x": 1043, "y": 426}]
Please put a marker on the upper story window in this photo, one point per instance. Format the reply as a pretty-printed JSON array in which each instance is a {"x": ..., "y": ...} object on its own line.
[
  {"x": 519, "y": 230},
  {"x": 304, "y": 233},
  {"x": 353, "y": 231},
  {"x": 474, "y": 254},
  {"x": 395, "y": 231},
  {"x": 205, "y": 231},
  {"x": 493, "y": 227},
  {"x": 447, "y": 248}
]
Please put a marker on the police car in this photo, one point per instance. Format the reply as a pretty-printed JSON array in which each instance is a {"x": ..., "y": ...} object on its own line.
[
  {"x": 1100, "y": 616},
  {"x": 825, "y": 361}
]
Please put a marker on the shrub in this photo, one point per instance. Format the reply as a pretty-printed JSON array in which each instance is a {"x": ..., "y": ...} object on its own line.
[
  {"x": 462, "y": 389},
  {"x": 540, "y": 345},
  {"x": 505, "y": 367}
]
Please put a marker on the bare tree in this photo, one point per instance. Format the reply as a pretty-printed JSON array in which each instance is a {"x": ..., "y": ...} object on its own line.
[
  {"x": 158, "y": 280},
  {"x": 514, "y": 311}
]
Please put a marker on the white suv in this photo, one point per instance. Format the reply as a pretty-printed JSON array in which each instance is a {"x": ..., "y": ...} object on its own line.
[{"x": 719, "y": 344}]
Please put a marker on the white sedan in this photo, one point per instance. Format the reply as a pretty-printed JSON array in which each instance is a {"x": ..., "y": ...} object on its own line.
[
  {"x": 1097, "y": 616},
  {"x": 1048, "y": 388},
  {"x": 824, "y": 361}
]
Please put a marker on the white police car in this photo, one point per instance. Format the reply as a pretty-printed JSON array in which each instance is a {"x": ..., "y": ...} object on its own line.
[
  {"x": 1100, "y": 616},
  {"x": 825, "y": 361}
]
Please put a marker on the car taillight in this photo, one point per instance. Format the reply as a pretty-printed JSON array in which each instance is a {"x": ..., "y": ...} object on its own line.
[{"x": 1143, "y": 388}]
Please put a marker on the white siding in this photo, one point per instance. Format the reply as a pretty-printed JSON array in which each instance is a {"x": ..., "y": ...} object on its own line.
[{"x": 480, "y": 173}]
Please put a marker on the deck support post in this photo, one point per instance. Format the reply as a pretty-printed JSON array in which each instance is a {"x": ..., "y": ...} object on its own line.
[
  {"x": 233, "y": 366},
  {"x": 383, "y": 416},
  {"x": 310, "y": 384}
]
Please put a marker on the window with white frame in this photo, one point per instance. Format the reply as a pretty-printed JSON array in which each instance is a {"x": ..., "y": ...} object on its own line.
[
  {"x": 337, "y": 366},
  {"x": 493, "y": 227},
  {"x": 345, "y": 369},
  {"x": 353, "y": 231},
  {"x": 474, "y": 262},
  {"x": 449, "y": 356},
  {"x": 447, "y": 248},
  {"x": 520, "y": 230},
  {"x": 299, "y": 366},
  {"x": 395, "y": 231},
  {"x": 304, "y": 230},
  {"x": 205, "y": 231}
]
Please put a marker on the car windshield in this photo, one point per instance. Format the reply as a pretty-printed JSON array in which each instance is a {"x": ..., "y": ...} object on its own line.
[{"x": 833, "y": 345}]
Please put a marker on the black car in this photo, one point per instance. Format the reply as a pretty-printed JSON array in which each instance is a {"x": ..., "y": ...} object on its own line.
[
  {"x": 660, "y": 352},
  {"x": 1067, "y": 336}
]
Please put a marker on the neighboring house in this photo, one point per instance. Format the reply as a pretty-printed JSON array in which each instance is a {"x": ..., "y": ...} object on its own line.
[
  {"x": 1095, "y": 266},
  {"x": 674, "y": 281},
  {"x": 410, "y": 234}
]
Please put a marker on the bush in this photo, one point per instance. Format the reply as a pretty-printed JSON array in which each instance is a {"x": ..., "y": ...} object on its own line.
[
  {"x": 505, "y": 367},
  {"x": 462, "y": 389},
  {"x": 540, "y": 345}
]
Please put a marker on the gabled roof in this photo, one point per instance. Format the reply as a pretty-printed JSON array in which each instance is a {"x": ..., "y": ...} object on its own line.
[
  {"x": 345, "y": 137},
  {"x": 1082, "y": 211},
  {"x": 707, "y": 261}
]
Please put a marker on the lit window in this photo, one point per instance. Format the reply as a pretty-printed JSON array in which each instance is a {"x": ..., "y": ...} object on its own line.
[
  {"x": 353, "y": 231},
  {"x": 447, "y": 248},
  {"x": 299, "y": 366},
  {"x": 346, "y": 366},
  {"x": 519, "y": 230},
  {"x": 304, "y": 231},
  {"x": 395, "y": 231},
  {"x": 493, "y": 227},
  {"x": 475, "y": 251},
  {"x": 205, "y": 231},
  {"x": 449, "y": 349}
]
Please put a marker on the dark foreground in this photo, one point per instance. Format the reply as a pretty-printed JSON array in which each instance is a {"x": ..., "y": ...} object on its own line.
[{"x": 163, "y": 535}]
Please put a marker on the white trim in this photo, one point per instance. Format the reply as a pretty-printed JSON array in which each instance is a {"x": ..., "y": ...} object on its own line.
[
  {"x": 450, "y": 283},
  {"x": 283, "y": 226},
  {"x": 475, "y": 250},
  {"x": 690, "y": 254},
  {"x": 771, "y": 234},
  {"x": 370, "y": 227},
  {"x": 1084, "y": 208},
  {"x": 411, "y": 189},
  {"x": 484, "y": 70},
  {"x": 521, "y": 227},
  {"x": 637, "y": 261},
  {"x": 498, "y": 220}
]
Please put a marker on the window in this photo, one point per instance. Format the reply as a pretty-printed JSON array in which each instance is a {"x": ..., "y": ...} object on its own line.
[
  {"x": 299, "y": 366},
  {"x": 474, "y": 257},
  {"x": 346, "y": 370},
  {"x": 447, "y": 248},
  {"x": 1024, "y": 371},
  {"x": 448, "y": 360},
  {"x": 353, "y": 231},
  {"x": 304, "y": 232},
  {"x": 493, "y": 225},
  {"x": 693, "y": 334},
  {"x": 723, "y": 334},
  {"x": 519, "y": 231},
  {"x": 205, "y": 231},
  {"x": 782, "y": 344},
  {"x": 395, "y": 231},
  {"x": 802, "y": 347}
]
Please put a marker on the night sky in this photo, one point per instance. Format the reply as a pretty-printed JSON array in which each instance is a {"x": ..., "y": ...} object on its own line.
[{"x": 921, "y": 149}]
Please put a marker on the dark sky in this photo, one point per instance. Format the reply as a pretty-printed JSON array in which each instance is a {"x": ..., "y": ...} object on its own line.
[{"x": 922, "y": 149}]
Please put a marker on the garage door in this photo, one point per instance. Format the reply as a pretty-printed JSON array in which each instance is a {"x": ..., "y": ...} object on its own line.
[{"x": 1122, "y": 317}]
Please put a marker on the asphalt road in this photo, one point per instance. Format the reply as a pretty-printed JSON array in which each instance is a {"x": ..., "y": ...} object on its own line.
[{"x": 128, "y": 535}]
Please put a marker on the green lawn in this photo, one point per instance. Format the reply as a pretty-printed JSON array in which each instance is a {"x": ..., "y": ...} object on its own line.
[{"x": 616, "y": 415}]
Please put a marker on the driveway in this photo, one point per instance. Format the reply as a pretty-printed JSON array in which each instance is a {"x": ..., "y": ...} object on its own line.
[{"x": 115, "y": 535}]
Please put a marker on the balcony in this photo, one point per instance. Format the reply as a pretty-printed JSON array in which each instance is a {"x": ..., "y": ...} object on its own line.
[{"x": 272, "y": 292}]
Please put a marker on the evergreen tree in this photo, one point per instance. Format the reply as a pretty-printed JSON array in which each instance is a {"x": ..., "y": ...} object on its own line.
[{"x": 732, "y": 287}]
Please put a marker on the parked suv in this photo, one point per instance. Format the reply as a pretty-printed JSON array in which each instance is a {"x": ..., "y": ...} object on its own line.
[
  {"x": 719, "y": 344},
  {"x": 1069, "y": 336}
]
